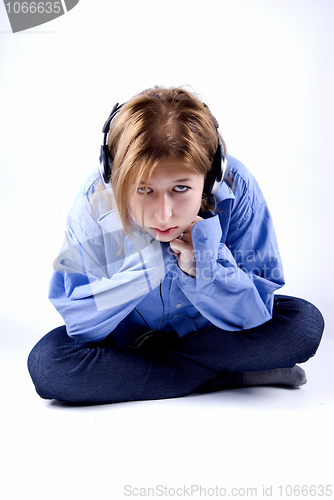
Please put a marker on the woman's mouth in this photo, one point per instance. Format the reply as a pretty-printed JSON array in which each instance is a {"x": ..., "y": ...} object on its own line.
[{"x": 165, "y": 232}]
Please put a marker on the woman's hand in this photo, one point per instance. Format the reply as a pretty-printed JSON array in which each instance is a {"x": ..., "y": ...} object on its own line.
[{"x": 183, "y": 249}]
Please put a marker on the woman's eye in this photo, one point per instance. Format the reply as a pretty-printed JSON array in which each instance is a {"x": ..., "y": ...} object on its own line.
[
  {"x": 141, "y": 190},
  {"x": 181, "y": 189}
]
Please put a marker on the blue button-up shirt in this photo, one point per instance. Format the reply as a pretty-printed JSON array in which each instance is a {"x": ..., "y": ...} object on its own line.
[{"x": 106, "y": 282}]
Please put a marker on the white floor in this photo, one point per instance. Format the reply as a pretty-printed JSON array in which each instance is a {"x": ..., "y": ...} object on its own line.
[{"x": 198, "y": 446}]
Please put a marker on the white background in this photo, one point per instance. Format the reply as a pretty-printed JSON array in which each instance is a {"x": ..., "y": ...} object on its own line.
[{"x": 265, "y": 68}]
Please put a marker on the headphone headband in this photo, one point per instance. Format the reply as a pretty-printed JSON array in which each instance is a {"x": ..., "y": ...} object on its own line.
[{"x": 106, "y": 126}]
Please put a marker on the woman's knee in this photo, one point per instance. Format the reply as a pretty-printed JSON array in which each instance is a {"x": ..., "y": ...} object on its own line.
[
  {"x": 42, "y": 362},
  {"x": 314, "y": 322},
  {"x": 305, "y": 320},
  {"x": 36, "y": 367}
]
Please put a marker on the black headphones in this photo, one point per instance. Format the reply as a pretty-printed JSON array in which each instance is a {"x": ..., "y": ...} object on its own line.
[{"x": 214, "y": 177}]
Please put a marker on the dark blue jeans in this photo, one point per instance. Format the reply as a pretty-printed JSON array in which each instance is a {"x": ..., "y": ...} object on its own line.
[{"x": 165, "y": 366}]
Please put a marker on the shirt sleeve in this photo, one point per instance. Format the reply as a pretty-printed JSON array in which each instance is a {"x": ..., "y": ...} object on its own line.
[
  {"x": 235, "y": 281},
  {"x": 97, "y": 281}
]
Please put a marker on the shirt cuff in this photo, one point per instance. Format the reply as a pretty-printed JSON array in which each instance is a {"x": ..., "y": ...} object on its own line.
[{"x": 206, "y": 236}]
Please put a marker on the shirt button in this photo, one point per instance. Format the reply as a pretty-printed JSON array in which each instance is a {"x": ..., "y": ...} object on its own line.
[
  {"x": 178, "y": 305},
  {"x": 176, "y": 316}
]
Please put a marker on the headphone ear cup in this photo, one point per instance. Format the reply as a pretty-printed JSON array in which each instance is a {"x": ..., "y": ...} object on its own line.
[
  {"x": 109, "y": 160},
  {"x": 215, "y": 176},
  {"x": 105, "y": 164},
  {"x": 219, "y": 180}
]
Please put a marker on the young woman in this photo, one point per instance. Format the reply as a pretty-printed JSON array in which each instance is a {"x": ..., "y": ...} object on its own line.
[{"x": 167, "y": 276}]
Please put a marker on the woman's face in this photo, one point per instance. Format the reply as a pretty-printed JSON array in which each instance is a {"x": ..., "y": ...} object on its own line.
[{"x": 173, "y": 200}]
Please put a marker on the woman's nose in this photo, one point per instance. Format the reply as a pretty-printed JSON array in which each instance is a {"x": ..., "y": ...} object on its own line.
[{"x": 163, "y": 208}]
